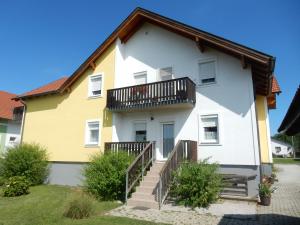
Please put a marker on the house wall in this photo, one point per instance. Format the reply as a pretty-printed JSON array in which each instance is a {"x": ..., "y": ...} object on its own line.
[
  {"x": 151, "y": 48},
  {"x": 13, "y": 130},
  {"x": 3, "y": 128},
  {"x": 58, "y": 121}
]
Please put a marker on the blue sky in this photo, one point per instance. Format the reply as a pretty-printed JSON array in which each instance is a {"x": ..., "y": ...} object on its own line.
[{"x": 41, "y": 41}]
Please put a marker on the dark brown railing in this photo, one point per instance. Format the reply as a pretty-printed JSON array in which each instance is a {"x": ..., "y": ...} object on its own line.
[
  {"x": 181, "y": 90},
  {"x": 134, "y": 148},
  {"x": 183, "y": 151},
  {"x": 138, "y": 167}
]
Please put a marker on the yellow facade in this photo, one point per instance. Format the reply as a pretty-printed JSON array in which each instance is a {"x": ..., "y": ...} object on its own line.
[
  {"x": 262, "y": 114},
  {"x": 58, "y": 121}
]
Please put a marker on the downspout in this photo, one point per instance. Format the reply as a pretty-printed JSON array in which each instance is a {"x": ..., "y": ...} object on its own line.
[{"x": 23, "y": 120}]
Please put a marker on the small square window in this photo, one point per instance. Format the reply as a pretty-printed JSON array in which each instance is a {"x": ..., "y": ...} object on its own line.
[
  {"x": 92, "y": 133},
  {"x": 140, "y": 132},
  {"x": 95, "y": 85},
  {"x": 140, "y": 78},
  {"x": 207, "y": 72},
  {"x": 166, "y": 73},
  {"x": 210, "y": 130},
  {"x": 278, "y": 149}
]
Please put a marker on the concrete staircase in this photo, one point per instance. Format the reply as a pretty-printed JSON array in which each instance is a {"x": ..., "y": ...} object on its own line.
[{"x": 146, "y": 191}]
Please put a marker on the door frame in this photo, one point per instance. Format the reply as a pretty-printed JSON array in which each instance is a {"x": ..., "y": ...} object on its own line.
[{"x": 161, "y": 147}]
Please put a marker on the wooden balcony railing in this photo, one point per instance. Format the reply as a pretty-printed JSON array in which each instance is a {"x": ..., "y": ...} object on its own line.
[
  {"x": 181, "y": 90},
  {"x": 134, "y": 148},
  {"x": 184, "y": 150},
  {"x": 138, "y": 167}
]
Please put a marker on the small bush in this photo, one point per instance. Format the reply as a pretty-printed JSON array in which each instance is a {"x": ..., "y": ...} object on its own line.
[
  {"x": 106, "y": 175},
  {"x": 1, "y": 166},
  {"x": 196, "y": 184},
  {"x": 16, "y": 186},
  {"x": 28, "y": 160},
  {"x": 2, "y": 181},
  {"x": 79, "y": 207}
]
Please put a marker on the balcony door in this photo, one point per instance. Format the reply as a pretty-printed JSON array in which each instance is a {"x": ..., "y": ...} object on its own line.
[{"x": 167, "y": 139}]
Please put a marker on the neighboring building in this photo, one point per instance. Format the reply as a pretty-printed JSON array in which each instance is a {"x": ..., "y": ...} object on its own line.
[
  {"x": 11, "y": 114},
  {"x": 290, "y": 125},
  {"x": 155, "y": 79},
  {"x": 281, "y": 149}
]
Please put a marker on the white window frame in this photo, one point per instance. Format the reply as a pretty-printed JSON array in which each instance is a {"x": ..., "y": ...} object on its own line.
[
  {"x": 134, "y": 131},
  {"x": 207, "y": 60},
  {"x": 141, "y": 73},
  {"x": 87, "y": 142},
  {"x": 159, "y": 72},
  {"x": 90, "y": 95},
  {"x": 202, "y": 141}
]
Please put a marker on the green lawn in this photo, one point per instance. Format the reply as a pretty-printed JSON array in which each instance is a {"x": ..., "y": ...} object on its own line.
[
  {"x": 45, "y": 205},
  {"x": 285, "y": 160}
]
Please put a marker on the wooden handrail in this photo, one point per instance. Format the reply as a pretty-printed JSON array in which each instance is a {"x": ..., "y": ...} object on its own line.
[
  {"x": 183, "y": 150},
  {"x": 138, "y": 167},
  {"x": 134, "y": 148}
]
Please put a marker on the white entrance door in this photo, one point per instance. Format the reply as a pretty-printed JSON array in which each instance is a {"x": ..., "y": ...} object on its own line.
[{"x": 167, "y": 139}]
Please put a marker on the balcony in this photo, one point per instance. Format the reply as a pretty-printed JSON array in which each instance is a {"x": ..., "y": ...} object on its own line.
[{"x": 170, "y": 93}]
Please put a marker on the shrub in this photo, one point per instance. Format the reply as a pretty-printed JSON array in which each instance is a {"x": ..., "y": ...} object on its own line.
[
  {"x": 81, "y": 206},
  {"x": 16, "y": 186},
  {"x": 196, "y": 184},
  {"x": 28, "y": 160},
  {"x": 106, "y": 175},
  {"x": 2, "y": 181},
  {"x": 1, "y": 165}
]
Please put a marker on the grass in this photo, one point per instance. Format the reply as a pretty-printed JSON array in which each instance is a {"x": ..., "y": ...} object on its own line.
[
  {"x": 45, "y": 205},
  {"x": 286, "y": 161}
]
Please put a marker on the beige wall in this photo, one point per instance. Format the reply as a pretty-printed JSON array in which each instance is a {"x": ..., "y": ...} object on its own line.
[{"x": 58, "y": 121}]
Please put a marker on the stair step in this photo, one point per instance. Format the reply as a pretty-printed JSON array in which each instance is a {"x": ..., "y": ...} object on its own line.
[
  {"x": 143, "y": 203},
  {"x": 145, "y": 183},
  {"x": 234, "y": 192},
  {"x": 151, "y": 178},
  {"x": 145, "y": 189},
  {"x": 142, "y": 195}
]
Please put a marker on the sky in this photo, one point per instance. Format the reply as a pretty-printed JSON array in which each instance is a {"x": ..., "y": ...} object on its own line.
[{"x": 41, "y": 41}]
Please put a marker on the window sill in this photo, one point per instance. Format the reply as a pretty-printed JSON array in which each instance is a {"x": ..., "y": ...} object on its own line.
[
  {"x": 95, "y": 96},
  {"x": 210, "y": 144},
  {"x": 207, "y": 85},
  {"x": 91, "y": 146}
]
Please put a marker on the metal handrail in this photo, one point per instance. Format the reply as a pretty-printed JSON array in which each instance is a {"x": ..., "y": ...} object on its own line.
[{"x": 150, "y": 149}]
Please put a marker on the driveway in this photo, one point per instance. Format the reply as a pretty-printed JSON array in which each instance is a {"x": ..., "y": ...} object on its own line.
[{"x": 284, "y": 209}]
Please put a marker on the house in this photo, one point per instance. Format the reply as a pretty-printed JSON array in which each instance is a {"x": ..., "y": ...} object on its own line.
[
  {"x": 281, "y": 149},
  {"x": 290, "y": 124},
  {"x": 153, "y": 85},
  {"x": 11, "y": 114}
]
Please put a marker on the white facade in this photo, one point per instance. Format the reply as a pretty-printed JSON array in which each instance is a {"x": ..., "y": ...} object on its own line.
[
  {"x": 13, "y": 134},
  {"x": 281, "y": 149},
  {"x": 231, "y": 98}
]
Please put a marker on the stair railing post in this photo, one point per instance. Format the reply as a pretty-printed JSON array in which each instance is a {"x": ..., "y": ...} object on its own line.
[
  {"x": 143, "y": 167},
  {"x": 126, "y": 191},
  {"x": 159, "y": 194}
]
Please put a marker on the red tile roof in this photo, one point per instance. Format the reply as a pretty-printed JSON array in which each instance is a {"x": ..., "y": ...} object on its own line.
[
  {"x": 7, "y": 105},
  {"x": 45, "y": 89},
  {"x": 275, "y": 86}
]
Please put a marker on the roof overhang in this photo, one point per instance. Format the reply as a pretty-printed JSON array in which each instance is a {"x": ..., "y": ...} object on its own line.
[{"x": 262, "y": 65}]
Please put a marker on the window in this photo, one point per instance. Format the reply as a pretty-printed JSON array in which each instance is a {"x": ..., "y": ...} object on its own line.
[
  {"x": 278, "y": 149},
  {"x": 209, "y": 126},
  {"x": 207, "y": 72},
  {"x": 12, "y": 139},
  {"x": 95, "y": 86},
  {"x": 92, "y": 132},
  {"x": 165, "y": 73},
  {"x": 140, "y": 78},
  {"x": 140, "y": 131}
]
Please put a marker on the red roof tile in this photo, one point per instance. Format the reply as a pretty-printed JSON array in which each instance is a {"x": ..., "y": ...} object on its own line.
[
  {"x": 48, "y": 88},
  {"x": 7, "y": 105},
  {"x": 275, "y": 86}
]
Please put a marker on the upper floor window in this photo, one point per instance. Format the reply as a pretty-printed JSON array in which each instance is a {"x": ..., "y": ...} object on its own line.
[
  {"x": 210, "y": 127},
  {"x": 165, "y": 73},
  {"x": 92, "y": 132},
  {"x": 207, "y": 72},
  {"x": 95, "y": 85},
  {"x": 140, "y": 77}
]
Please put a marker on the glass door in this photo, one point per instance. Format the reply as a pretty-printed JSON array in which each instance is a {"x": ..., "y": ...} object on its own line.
[{"x": 168, "y": 139}]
